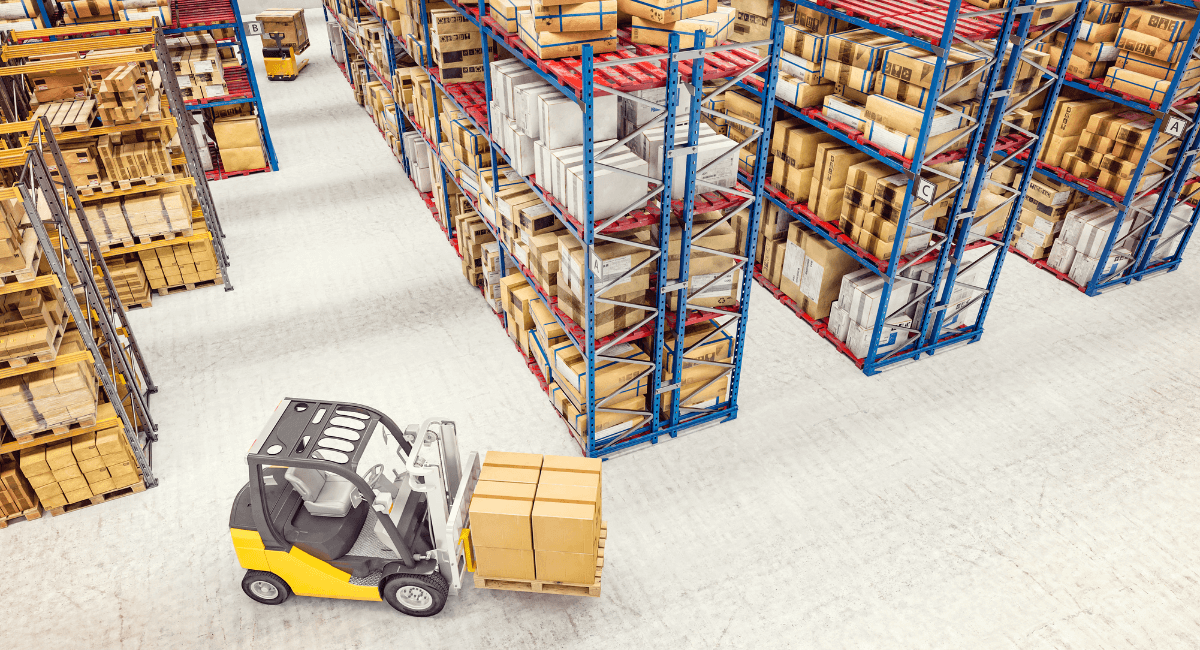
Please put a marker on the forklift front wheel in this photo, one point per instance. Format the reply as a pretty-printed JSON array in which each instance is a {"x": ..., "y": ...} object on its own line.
[
  {"x": 265, "y": 587},
  {"x": 416, "y": 595}
]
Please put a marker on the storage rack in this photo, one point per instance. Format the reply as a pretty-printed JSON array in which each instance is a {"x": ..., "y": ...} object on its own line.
[
  {"x": 189, "y": 16},
  {"x": 1121, "y": 263},
  {"x": 140, "y": 35},
  {"x": 580, "y": 80},
  {"x": 110, "y": 346},
  {"x": 943, "y": 306}
]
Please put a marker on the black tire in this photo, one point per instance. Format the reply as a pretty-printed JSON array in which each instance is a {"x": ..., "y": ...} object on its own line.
[
  {"x": 416, "y": 595},
  {"x": 266, "y": 587}
]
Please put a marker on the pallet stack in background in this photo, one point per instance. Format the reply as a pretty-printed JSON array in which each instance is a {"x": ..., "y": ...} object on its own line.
[
  {"x": 136, "y": 192},
  {"x": 538, "y": 518}
]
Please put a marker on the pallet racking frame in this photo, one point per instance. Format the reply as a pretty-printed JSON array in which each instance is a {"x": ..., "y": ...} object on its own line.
[
  {"x": 11, "y": 80},
  {"x": 581, "y": 79},
  {"x": 111, "y": 346},
  {"x": 935, "y": 27},
  {"x": 202, "y": 15},
  {"x": 1171, "y": 124}
]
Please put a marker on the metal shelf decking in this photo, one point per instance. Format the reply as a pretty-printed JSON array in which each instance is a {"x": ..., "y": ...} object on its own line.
[
  {"x": 1171, "y": 123},
  {"x": 570, "y": 81}
]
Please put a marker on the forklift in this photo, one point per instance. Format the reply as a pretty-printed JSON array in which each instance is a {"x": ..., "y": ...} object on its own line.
[
  {"x": 280, "y": 60},
  {"x": 342, "y": 503}
]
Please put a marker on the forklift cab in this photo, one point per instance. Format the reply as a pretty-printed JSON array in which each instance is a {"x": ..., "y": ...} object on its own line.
[{"x": 339, "y": 505}]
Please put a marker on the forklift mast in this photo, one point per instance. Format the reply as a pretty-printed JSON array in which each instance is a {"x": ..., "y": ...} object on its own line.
[{"x": 434, "y": 469}]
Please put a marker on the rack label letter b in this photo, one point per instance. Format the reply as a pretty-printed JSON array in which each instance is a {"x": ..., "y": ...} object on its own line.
[
  {"x": 925, "y": 190},
  {"x": 253, "y": 27}
]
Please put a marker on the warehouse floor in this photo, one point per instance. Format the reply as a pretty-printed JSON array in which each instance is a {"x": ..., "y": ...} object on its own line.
[{"x": 1035, "y": 490}]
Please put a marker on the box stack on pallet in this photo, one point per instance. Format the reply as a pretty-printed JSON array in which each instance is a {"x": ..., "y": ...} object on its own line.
[
  {"x": 510, "y": 192},
  {"x": 71, "y": 379},
  {"x": 83, "y": 12},
  {"x": 869, "y": 172},
  {"x": 122, "y": 149},
  {"x": 22, "y": 14},
  {"x": 537, "y": 524},
  {"x": 1116, "y": 161}
]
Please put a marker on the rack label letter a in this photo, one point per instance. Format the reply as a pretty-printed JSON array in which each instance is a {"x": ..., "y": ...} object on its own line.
[{"x": 1175, "y": 127}]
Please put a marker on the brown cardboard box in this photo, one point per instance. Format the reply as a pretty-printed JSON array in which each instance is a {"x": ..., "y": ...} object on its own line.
[
  {"x": 289, "y": 22},
  {"x": 1057, "y": 146},
  {"x": 511, "y": 563},
  {"x": 568, "y": 527},
  {"x": 824, "y": 266},
  {"x": 572, "y": 464},
  {"x": 502, "y": 522},
  {"x": 577, "y": 568},
  {"x": 549, "y": 45},
  {"x": 243, "y": 159}
]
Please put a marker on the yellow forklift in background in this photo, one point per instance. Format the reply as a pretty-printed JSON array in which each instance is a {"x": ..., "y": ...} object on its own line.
[
  {"x": 342, "y": 503},
  {"x": 280, "y": 60}
]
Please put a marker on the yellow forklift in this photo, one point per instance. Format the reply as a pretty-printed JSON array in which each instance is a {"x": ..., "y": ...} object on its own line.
[
  {"x": 280, "y": 60},
  {"x": 342, "y": 503}
]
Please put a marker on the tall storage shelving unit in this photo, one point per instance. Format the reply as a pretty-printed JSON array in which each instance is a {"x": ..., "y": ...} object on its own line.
[
  {"x": 581, "y": 80},
  {"x": 190, "y": 16},
  {"x": 1156, "y": 244},
  {"x": 948, "y": 309}
]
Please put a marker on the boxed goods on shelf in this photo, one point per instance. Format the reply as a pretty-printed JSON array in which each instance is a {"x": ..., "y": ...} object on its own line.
[
  {"x": 128, "y": 276},
  {"x": 180, "y": 265},
  {"x": 16, "y": 495},
  {"x": 240, "y": 142},
  {"x": 556, "y": 45},
  {"x": 717, "y": 27},
  {"x": 50, "y": 399},
  {"x": 78, "y": 468}
]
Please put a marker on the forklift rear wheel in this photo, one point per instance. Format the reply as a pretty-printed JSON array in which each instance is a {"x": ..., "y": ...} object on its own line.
[
  {"x": 416, "y": 595},
  {"x": 265, "y": 587}
]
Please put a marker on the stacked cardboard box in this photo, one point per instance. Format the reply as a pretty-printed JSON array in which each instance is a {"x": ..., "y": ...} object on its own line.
[
  {"x": 555, "y": 30},
  {"x": 78, "y": 468},
  {"x": 53, "y": 398},
  {"x": 716, "y": 26},
  {"x": 537, "y": 518},
  {"x": 82, "y": 165},
  {"x": 199, "y": 65},
  {"x": 128, "y": 276},
  {"x": 240, "y": 142},
  {"x": 1046, "y": 206},
  {"x": 288, "y": 22},
  {"x": 1085, "y": 232},
  {"x": 472, "y": 234},
  {"x": 1095, "y": 50},
  {"x": 126, "y": 158},
  {"x": 1151, "y": 41},
  {"x": 181, "y": 264},
  {"x": 701, "y": 383},
  {"x": 140, "y": 215},
  {"x": 457, "y": 47},
  {"x": 31, "y": 324}
]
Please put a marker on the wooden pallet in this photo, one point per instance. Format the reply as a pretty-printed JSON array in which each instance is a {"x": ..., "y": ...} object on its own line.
[
  {"x": 74, "y": 115},
  {"x": 78, "y": 425},
  {"x": 99, "y": 498},
  {"x": 49, "y": 355},
  {"x": 544, "y": 587},
  {"x": 145, "y": 239},
  {"x": 166, "y": 291},
  {"x": 108, "y": 187},
  {"x": 29, "y": 515}
]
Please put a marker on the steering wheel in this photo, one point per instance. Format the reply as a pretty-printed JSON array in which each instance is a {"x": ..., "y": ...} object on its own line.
[{"x": 373, "y": 475}]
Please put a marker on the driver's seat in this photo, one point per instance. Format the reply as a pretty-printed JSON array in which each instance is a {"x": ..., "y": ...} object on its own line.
[{"x": 324, "y": 494}]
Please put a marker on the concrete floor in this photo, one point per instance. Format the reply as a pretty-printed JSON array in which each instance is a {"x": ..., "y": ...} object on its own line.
[{"x": 1035, "y": 490}]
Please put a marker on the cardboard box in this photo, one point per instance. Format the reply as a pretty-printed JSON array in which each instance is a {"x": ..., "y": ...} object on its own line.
[
  {"x": 667, "y": 11},
  {"x": 504, "y": 520},
  {"x": 716, "y": 26},
  {"x": 564, "y": 525},
  {"x": 549, "y": 45},
  {"x": 820, "y": 282},
  {"x": 577, "y": 568},
  {"x": 515, "y": 564},
  {"x": 289, "y": 22},
  {"x": 597, "y": 15},
  {"x": 1166, "y": 22}
]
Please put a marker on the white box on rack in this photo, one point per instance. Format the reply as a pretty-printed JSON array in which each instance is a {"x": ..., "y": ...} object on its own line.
[
  {"x": 522, "y": 153},
  {"x": 636, "y": 113},
  {"x": 524, "y": 104},
  {"x": 1062, "y": 255},
  {"x": 561, "y": 120},
  {"x": 839, "y": 322}
]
